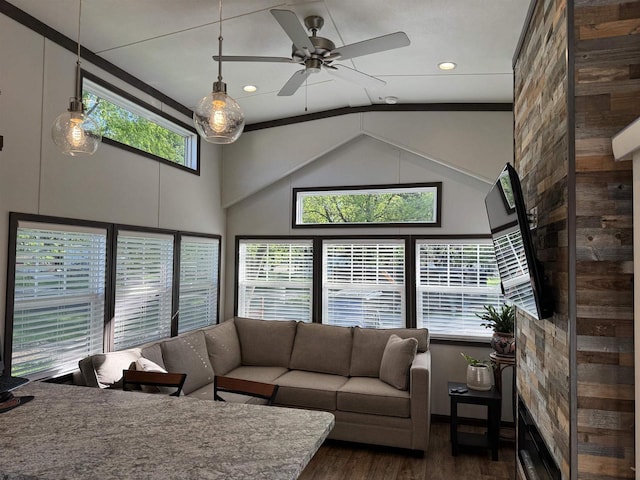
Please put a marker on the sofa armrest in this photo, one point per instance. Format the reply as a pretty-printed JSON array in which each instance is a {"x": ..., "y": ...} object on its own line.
[{"x": 420, "y": 391}]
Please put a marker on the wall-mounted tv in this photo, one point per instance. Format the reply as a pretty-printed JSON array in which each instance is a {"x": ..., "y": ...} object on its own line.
[{"x": 520, "y": 271}]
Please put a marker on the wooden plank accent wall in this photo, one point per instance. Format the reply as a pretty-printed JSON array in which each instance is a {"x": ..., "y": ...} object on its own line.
[
  {"x": 604, "y": 96},
  {"x": 607, "y": 99},
  {"x": 541, "y": 147}
]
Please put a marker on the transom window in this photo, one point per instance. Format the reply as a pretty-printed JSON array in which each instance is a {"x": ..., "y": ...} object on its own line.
[
  {"x": 378, "y": 205},
  {"x": 126, "y": 121}
]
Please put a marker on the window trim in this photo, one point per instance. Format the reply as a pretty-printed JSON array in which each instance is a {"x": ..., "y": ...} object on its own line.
[
  {"x": 410, "y": 272},
  {"x": 131, "y": 98},
  {"x": 110, "y": 272},
  {"x": 296, "y": 194}
]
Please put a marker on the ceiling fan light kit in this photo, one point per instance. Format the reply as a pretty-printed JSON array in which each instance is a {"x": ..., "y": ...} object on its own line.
[
  {"x": 217, "y": 117},
  {"x": 317, "y": 53},
  {"x": 73, "y": 132}
]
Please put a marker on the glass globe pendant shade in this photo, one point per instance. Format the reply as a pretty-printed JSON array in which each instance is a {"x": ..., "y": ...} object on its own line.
[
  {"x": 218, "y": 117},
  {"x": 74, "y": 133}
]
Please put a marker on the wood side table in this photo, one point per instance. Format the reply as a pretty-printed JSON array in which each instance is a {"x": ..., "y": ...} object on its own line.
[{"x": 492, "y": 399}]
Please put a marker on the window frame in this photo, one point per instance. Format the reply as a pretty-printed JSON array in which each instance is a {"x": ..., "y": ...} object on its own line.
[
  {"x": 179, "y": 239},
  {"x": 128, "y": 97},
  {"x": 110, "y": 273},
  {"x": 276, "y": 238},
  {"x": 418, "y": 287},
  {"x": 298, "y": 193}
]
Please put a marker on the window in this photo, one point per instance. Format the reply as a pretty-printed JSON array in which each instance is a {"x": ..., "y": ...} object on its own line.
[
  {"x": 512, "y": 262},
  {"x": 454, "y": 282},
  {"x": 199, "y": 270},
  {"x": 378, "y": 205},
  {"x": 59, "y": 297},
  {"x": 126, "y": 121},
  {"x": 144, "y": 278},
  {"x": 363, "y": 283},
  {"x": 275, "y": 279}
]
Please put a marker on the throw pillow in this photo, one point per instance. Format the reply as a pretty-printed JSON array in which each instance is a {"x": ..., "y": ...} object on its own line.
[
  {"x": 396, "y": 361},
  {"x": 146, "y": 365}
]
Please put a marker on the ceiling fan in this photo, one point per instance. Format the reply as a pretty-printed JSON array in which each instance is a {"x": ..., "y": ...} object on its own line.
[{"x": 316, "y": 52}]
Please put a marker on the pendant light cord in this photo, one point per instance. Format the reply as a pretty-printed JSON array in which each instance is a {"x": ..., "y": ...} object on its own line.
[
  {"x": 219, "y": 44},
  {"x": 78, "y": 87}
]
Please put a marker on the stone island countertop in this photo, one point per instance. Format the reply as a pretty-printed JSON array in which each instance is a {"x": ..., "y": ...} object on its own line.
[{"x": 70, "y": 432}]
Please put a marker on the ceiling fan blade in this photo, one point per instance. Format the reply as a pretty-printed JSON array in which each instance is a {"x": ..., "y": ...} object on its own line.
[
  {"x": 294, "y": 83},
  {"x": 294, "y": 29},
  {"x": 354, "y": 76},
  {"x": 373, "y": 45},
  {"x": 236, "y": 58}
]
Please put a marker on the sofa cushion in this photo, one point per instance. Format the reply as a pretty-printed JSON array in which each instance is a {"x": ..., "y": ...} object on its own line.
[
  {"x": 223, "y": 347},
  {"x": 308, "y": 390},
  {"x": 257, "y": 374},
  {"x": 265, "y": 342},
  {"x": 154, "y": 353},
  {"x": 188, "y": 354},
  {"x": 104, "y": 370},
  {"x": 396, "y": 361},
  {"x": 322, "y": 348},
  {"x": 372, "y": 396},
  {"x": 369, "y": 344}
]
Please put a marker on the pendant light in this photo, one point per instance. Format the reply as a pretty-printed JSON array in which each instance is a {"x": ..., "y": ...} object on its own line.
[
  {"x": 218, "y": 117},
  {"x": 73, "y": 132}
]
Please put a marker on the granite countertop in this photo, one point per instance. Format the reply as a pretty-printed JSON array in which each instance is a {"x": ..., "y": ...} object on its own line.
[{"x": 70, "y": 432}]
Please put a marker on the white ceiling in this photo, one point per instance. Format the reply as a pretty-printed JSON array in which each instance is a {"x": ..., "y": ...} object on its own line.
[{"x": 169, "y": 44}]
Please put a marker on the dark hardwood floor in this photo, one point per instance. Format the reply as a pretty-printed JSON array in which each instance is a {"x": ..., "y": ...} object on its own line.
[{"x": 346, "y": 461}]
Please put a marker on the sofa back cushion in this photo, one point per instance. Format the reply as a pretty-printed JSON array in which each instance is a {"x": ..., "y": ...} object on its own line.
[
  {"x": 265, "y": 343},
  {"x": 188, "y": 354},
  {"x": 369, "y": 345},
  {"x": 322, "y": 348},
  {"x": 153, "y": 352},
  {"x": 223, "y": 347}
]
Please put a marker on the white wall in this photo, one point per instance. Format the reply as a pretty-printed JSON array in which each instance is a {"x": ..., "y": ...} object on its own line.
[
  {"x": 36, "y": 81},
  {"x": 352, "y": 152}
]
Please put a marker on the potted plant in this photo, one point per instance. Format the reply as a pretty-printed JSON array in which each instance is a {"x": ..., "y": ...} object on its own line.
[
  {"x": 478, "y": 373},
  {"x": 502, "y": 322}
]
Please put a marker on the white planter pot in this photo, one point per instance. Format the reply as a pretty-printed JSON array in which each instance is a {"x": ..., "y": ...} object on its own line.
[{"x": 479, "y": 378}]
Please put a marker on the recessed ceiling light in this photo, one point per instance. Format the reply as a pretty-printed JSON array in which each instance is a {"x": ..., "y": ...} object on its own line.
[
  {"x": 390, "y": 100},
  {"x": 446, "y": 65},
  {"x": 250, "y": 88}
]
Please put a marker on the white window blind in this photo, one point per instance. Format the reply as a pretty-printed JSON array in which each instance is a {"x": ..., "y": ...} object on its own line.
[
  {"x": 59, "y": 297},
  {"x": 454, "y": 282},
  {"x": 198, "y": 300},
  {"x": 363, "y": 283},
  {"x": 275, "y": 279},
  {"x": 513, "y": 267},
  {"x": 144, "y": 271}
]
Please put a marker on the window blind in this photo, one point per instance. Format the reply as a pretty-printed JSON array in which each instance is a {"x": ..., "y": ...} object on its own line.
[
  {"x": 454, "y": 282},
  {"x": 144, "y": 272},
  {"x": 59, "y": 297},
  {"x": 363, "y": 283},
  {"x": 199, "y": 267},
  {"x": 275, "y": 279}
]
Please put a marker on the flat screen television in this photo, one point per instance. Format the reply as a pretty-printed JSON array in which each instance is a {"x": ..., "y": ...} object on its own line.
[{"x": 520, "y": 271}]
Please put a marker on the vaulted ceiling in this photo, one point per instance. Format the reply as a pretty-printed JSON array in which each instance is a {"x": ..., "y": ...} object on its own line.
[{"x": 169, "y": 44}]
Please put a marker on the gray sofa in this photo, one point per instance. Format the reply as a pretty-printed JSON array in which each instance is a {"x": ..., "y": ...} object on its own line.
[{"x": 375, "y": 382}]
